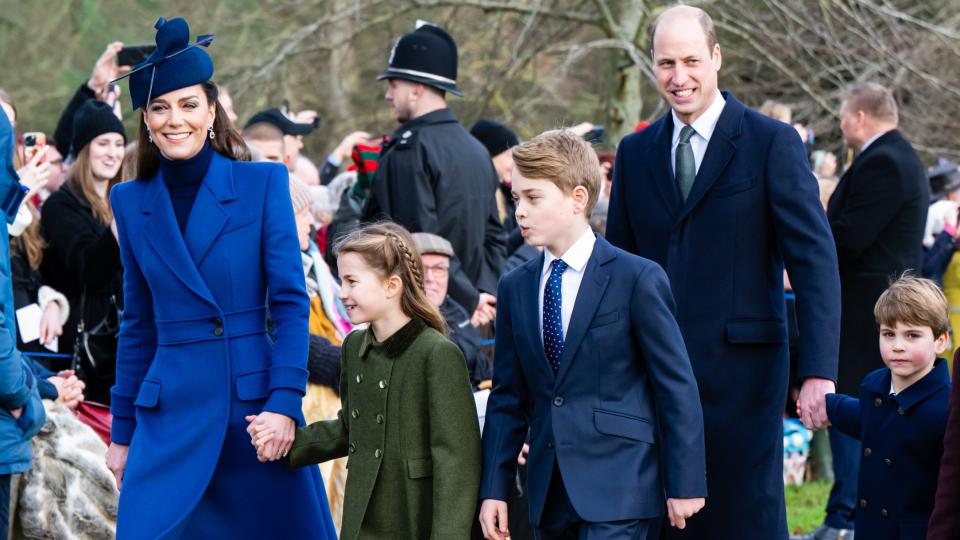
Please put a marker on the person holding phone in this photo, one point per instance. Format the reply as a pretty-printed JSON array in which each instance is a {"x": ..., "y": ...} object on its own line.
[{"x": 208, "y": 243}]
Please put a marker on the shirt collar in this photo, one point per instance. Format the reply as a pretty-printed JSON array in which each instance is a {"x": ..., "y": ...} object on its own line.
[
  {"x": 870, "y": 141},
  {"x": 576, "y": 255},
  {"x": 705, "y": 124}
]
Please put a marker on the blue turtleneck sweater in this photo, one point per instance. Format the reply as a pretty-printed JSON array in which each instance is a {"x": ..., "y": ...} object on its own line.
[{"x": 183, "y": 178}]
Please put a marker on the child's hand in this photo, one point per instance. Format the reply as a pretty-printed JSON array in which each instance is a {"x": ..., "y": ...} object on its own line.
[
  {"x": 260, "y": 437},
  {"x": 679, "y": 510},
  {"x": 493, "y": 519},
  {"x": 522, "y": 458}
]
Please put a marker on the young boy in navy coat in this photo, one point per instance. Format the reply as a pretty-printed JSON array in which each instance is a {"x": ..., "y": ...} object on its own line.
[
  {"x": 901, "y": 414},
  {"x": 589, "y": 362}
]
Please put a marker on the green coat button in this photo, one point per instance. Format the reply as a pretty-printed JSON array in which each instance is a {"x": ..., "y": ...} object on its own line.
[
  {"x": 359, "y": 378},
  {"x": 383, "y": 383},
  {"x": 379, "y": 418},
  {"x": 353, "y": 448},
  {"x": 377, "y": 453},
  {"x": 355, "y": 413}
]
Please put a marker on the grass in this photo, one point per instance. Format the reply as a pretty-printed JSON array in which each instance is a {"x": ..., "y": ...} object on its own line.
[{"x": 805, "y": 506}]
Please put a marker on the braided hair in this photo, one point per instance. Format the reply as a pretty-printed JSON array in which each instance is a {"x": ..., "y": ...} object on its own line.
[{"x": 389, "y": 249}]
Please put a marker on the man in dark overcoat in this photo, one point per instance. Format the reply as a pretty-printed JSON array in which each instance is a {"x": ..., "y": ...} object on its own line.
[
  {"x": 723, "y": 198},
  {"x": 433, "y": 176}
]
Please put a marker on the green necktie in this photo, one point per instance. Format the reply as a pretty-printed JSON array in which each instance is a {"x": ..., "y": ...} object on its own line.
[{"x": 685, "y": 167}]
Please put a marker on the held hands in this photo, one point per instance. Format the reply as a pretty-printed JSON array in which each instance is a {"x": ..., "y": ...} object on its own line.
[
  {"x": 69, "y": 388},
  {"x": 812, "y": 405},
  {"x": 679, "y": 510},
  {"x": 272, "y": 435},
  {"x": 493, "y": 519}
]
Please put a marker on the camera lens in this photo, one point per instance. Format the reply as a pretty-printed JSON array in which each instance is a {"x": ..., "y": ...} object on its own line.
[{"x": 30, "y": 140}]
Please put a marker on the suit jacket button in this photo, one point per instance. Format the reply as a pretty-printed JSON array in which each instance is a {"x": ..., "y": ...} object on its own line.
[
  {"x": 901, "y": 412},
  {"x": 884, "y": 513},
  {"x": 558, "y": 401},
  {"x": 878, "y": 402},
  {"x": 550, "y": 444},
  {"x": 863, "y": 503},
  {"x": 888, "y": 463},
  {"x": 867, "y": 452}
]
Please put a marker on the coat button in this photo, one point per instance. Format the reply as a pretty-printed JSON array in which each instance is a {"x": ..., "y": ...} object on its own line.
[
  {"x": 878, "y": 402},
  {"x": 379, "y": 418},
  {"x": 353, "y": 448},
  {"x": 355, "y": 413},
  {"x": 218, "y": 331},
  {"x": 377, "y": 453},
  {"x": 887, "y": 462},
  {"x": 884, "y": 513},
  {"x": 867, "y": 452},
  {"x": 900, "y": 411},
  {"x": 382, "y": 383},
  {"x": 558, "y": 401},
  {"x": 863, "y": 503},
  {"x": 359, "y": 378},
  {"x": 550, "y": 444}
]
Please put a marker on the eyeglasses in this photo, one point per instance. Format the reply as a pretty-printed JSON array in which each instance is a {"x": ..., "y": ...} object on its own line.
[{"x": 439, "y": 271}]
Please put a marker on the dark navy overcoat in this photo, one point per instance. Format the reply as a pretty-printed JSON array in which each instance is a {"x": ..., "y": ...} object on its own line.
[{"x": 195, "y": 358}]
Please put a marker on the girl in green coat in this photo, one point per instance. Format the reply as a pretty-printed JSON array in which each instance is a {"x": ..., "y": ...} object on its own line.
[{"x": 408, "y": 423}]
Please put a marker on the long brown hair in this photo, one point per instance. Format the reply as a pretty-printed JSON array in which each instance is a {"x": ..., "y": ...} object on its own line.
[
  {"x": 389, "y": 249},
  {"x": 226, "y": 140},
  {"x": 81, "y": 181},
  {"x": 30, "y": 243}
]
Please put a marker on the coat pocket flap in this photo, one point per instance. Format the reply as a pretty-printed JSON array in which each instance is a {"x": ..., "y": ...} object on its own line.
[
  {"x": 621, "y": 425},
  {"x": 253, "y": 385},
  {"x": 420, "y": 467},
  {"x": 604, "y": 319},
  {"x": 756, "y": 331},
  {"x": 149, "y": 394}
]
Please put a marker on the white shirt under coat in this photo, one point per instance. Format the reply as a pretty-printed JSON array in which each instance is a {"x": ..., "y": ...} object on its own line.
[
  {"x": 703, "y": 126},
  {"x": 576, "y": 258}
]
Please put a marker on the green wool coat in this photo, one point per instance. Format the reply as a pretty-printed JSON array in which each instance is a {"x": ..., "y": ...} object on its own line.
[{"x": 409, "y": 428}]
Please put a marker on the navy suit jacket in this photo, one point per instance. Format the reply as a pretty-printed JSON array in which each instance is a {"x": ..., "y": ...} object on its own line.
[
  {"x": 621, "y": 417},
  {"x": 753, "y": 206}
]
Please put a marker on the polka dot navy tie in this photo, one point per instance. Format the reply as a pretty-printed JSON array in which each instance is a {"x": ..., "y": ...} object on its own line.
[{"x": 552, "y": 315}]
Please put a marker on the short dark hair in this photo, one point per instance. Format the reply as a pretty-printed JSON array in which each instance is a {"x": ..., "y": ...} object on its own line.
[{"x": 706, "y": 23}]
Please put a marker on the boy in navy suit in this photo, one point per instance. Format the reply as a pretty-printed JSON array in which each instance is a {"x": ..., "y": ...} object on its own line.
[
  {"x": 901, "y": 414},
  {"x": 591, "y": 364}
]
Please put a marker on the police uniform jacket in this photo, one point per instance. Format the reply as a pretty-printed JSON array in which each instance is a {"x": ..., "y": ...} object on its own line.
[
  {"x": 901, "y": 444},
  {"x": 433, "y": 176},
  {"x": 410, "y": 430}
]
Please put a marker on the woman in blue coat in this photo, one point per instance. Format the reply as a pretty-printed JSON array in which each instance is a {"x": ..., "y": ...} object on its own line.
[{"x": 208, "y": 244}]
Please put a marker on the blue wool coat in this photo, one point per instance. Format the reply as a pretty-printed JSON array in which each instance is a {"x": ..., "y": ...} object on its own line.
[
  {"x": 901, "y": 440},
  {"x": 194, "y": 358},
  {"x": 754, "y": 206},
  {"x": 18, "y": 382}
]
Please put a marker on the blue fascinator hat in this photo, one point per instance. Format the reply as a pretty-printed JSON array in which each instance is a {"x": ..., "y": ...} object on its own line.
[{"x": 175, "y": 64}]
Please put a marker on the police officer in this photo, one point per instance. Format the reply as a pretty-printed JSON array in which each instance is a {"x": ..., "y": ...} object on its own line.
[{"x": 433, "y": 176}]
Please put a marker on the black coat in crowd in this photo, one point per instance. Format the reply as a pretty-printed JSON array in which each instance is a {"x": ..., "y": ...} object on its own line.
[
  {"x": 877, "y": 215},
  {"x": 81, "y": 251},
  {"x": 433, "y": 176}
]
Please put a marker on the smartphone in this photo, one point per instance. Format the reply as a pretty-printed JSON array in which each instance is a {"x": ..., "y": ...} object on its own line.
[
  {"x": 595, "y": 135},
  {"x": 132, "y": 55},
  {"x": 34, "y": 143}
]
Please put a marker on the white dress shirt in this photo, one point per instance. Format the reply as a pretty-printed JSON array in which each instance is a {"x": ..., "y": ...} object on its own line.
[
  {"x": 871, "y": 140},
  {"x": 576, "y": 258},
  {"x": 703, "y": 126}
]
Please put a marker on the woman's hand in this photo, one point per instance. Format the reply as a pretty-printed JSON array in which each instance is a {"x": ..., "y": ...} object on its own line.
[
  {"x": 69, "y": 388},
  {"x": 272, "y": 434},
  {"x": 117, "y": 460},
  {"x": 50, "y": 326},
  {"x": 106, "y": 68},
  {"x": 35, "y": 174}
]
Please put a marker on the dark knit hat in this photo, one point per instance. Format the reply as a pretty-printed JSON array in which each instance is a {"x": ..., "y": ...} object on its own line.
[
  {"x": 496, "y": 137},
  {"x": 427, "y": 55},
  {"x": 94, "y": 118},
  {"x": 175, "y": 64},
  {"x": 276, "y": 118}
]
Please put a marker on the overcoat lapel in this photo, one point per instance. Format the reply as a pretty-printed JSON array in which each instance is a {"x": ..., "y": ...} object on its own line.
[
  {"x": 208, "y": 216},
  {"x": 592, "y": 287},
  {"x": 659, "y": 159},
  {"x": 720, "y": 151}
]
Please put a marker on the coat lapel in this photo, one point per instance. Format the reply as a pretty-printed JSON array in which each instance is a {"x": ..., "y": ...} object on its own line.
[
  {"x": 163, "y": 234},
  {"x": 208, "y": 216},
  {"x": 530, "y": 290},
  {"x": 720, "y": 151},
  {"x": 592, "y": 287},
  {"x": 663, "y": 176}
]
